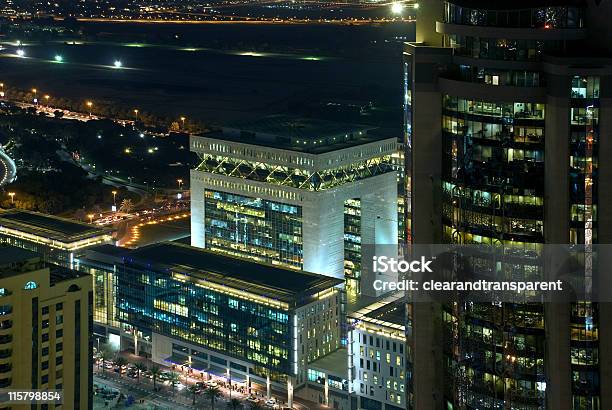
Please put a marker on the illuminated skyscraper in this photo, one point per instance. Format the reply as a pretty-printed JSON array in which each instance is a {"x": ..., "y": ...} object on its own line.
[
  {"x": 277, "y": 191},
  {"x": 508, "y": 116}
]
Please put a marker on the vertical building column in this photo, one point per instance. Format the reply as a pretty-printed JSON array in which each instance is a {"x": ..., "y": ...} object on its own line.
[
  {"x": 605, "y": 238},
  {"x": 428, "y": 372},
  {"x": 424, "y": 64},
  {"x": 429, "y": 12},
  {"x": 323, "y": 233},
  {"x": 556, "y": 231},
  {"x": 379, "y": 230},
  {"x": 290, "y": 382},
  {"x": 198, "y": 228},
  {"x": 136, "y": 341},
  {"x": 326, "y": 389}
]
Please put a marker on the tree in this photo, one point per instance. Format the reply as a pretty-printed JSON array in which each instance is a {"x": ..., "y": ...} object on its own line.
[
  {"x": 155, "y": 372},
  {"x": 193, "y": 389},
  {"x": 106, "y": 354},
  {"x": 235, "y": 404},
  {"x": 212, "y": 393},
  {"x": 126, "y": 206},
  {"x": 255, "y": 405},
  {"x": 174, "y": 379},
  {"x": 140, "y": 368},
  {"x": 120, "y": 361}
]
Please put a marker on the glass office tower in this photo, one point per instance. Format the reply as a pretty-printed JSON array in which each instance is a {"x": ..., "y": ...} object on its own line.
[{"x": 504, "y": 106}]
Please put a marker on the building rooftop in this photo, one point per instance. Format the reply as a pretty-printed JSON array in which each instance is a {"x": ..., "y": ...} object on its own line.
[
  {"x": 394, "y": 312},
  {"x": 12, "y": 254},
  {"x": 306, "y": 135},
  {"x": 389, "y": 312},
  {"x": 49, "y": 226},
  {"x": 333, "y": 363},
  {"x": 58, "y": 274},
  {"x": 270, "y": 281},
  {"x": 15, "y": 261}
]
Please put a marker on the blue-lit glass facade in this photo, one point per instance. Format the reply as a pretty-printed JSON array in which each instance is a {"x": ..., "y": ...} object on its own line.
[
  {"x": 208, "y": 317},
  {"x": 263, "y": 230}
]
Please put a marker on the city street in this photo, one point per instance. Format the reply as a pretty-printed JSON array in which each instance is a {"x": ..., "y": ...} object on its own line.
[{"x": 181, "y": 398}]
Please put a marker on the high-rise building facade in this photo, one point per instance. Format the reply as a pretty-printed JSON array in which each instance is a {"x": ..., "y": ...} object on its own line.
[
  {"x": 277, "y": 191},
  {"x": 507, "y": 108},
  {"x": 45, "y": 326}
]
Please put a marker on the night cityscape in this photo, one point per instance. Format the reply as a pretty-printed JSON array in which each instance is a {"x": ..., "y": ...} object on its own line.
[{"x": 310, "y": 205}]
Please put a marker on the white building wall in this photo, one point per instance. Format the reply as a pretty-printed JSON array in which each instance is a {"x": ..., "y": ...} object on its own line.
[
  {"x": 198, "y": 231},
  {"x": 322, "y": 214},
  {"x": 379, "y": 384}
]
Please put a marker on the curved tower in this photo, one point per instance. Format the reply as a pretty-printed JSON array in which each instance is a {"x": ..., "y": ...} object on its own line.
[{"x": 508, "y": 108}]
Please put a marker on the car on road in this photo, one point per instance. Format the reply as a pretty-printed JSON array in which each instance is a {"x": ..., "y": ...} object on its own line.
[
  {"x": 271, "y": 403},
  {"x": 212, "y": 383},
  {"x": 252, "y": 399}
]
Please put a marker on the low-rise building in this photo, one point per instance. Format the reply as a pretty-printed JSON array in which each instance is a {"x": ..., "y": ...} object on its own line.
[
  {"x": 377, "y": 350},
  {"x": 206, "y": 312},
  {"x": 57, "y": 239}
]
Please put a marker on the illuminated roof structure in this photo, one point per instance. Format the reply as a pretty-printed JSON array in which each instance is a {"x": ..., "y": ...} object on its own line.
[
  {"x": 51, "y": 230},
  {"x": 386, "y": 316},
  {"x": 209, "y": 269}
]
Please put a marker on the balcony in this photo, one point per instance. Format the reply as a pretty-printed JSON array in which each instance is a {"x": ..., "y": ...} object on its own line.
[
  {"x": 512, "y": 33},
  {"x": 492, "y": 93}
]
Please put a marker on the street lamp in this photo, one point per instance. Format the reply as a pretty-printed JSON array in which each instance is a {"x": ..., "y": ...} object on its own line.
[
  {"x": 118, "y": 64},
  {"x": 20, "y": 53},
  {"x": 12, "y": 195},
  {"x": 90, "y": 216},
  {"x": 183, "y": 121},
  {"x": 180, "y": 183},
  {"x": 136, "y": 114},
  {"x": 114, "y": 197},
  {"x": 89, "y": 105},
  {"x": 58, "y": 58},
  {"x": 397, "y": 8},
  {"x": 35, "y": 91},
  {"x": 47, "y": 96}
]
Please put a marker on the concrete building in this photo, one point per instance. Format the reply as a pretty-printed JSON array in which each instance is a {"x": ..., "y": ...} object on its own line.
[
  {"x": 378, "y": 355},
  {"x": 45, "y": 322},
  {"x": 276, "y": 191},
  {"x": 206, "y": 312},
  {"x": 508, "y": 113}
]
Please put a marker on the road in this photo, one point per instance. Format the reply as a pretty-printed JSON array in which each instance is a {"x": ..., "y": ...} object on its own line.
[
  {"x": 166, "y": 399},
  {"x": 8, "y": 169}
]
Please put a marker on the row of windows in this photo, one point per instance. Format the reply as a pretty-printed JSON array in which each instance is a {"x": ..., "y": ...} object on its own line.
[{"x": 540, "y": 17}]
